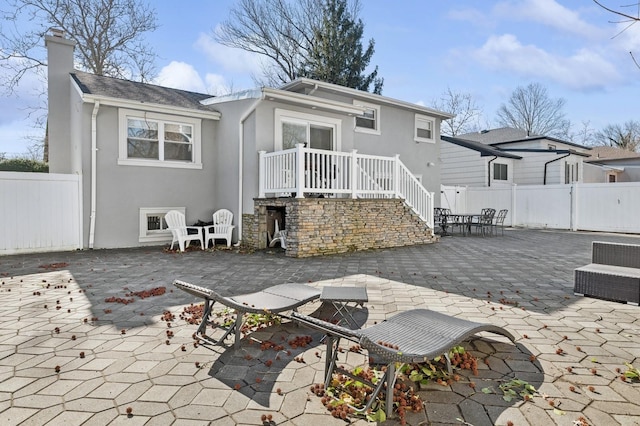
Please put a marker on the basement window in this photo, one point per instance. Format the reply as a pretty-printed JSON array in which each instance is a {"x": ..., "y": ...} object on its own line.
[{"x": 153, "y": 227}]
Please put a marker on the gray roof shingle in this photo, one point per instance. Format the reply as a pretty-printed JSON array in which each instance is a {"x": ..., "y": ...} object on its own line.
[
  {"x": 141, "y": 92},
  {"x": 494, "y": 136},
  {"x": 602, "y": 153},
  {"x": 509, "y": 134}
]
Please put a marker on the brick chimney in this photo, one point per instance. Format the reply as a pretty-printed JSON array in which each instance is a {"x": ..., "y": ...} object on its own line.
[{"x": 60, "y": 65}]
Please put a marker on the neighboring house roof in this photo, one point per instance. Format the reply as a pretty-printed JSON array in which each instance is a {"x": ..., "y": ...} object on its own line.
[
  {"x": 484, "y": 150},
  {"x": 509, "y": 135},
  {"x": 115, "y": 88},
  {"x": 610, "y": 153}
]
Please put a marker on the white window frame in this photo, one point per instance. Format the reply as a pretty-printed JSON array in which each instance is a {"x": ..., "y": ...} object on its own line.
[
  {"x": 154, "y": 235},
  {"x": 196, "y": 124},
  {"x": 493, "y": 172},
  {"x": 421, "y": 119},
  {"x": 282, "y": 115},
  {"x": 376, "y": 118}
]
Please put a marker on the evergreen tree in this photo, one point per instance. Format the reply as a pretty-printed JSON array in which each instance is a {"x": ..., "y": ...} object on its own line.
[{"x": 336, "y": 54}]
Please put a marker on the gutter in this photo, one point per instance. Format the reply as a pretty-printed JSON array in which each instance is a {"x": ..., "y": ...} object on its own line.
[
  {"x": 94, "y": 150},
  {"x": 544, "y": 178},
  {"x": 495, "y": 157},
  {"x": 241, "y": 162}
]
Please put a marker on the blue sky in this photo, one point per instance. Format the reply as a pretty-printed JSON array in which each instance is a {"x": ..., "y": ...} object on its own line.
[{"x": 485, "y": 48}]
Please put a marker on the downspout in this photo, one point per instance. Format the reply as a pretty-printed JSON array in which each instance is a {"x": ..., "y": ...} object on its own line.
[
  {"x": 489, "y": 170},
  {"x": 94, "y": 149},
  {"x": 240, "y": 163},
  {"x": 544, "y": 178}
]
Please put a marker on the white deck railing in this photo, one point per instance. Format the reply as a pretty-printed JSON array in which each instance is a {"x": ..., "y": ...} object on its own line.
[{"x": 303, "y": 171}]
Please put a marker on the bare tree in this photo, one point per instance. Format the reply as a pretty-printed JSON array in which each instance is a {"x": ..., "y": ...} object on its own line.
[
  {"x": 626, "y": 19},
  {"x": 623, "y": 136},
  {"x": 273, "y": 29},
  {"x": 584, "y": 135},
  {"x": 287, "y": 35},
  {"x": 530, "y": 108},
  {"x": 109, "y": 36},
  {"x": 464, "y": 107}
]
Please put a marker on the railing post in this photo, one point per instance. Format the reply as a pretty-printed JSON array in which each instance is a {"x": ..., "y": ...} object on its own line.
[
  {"x": 262, "y": 173},
  {"x": 429, "y": 206},
  {"x": 354, "y": 175},
  {"x": 396, "y": 176},
  {"x": 300, "y": 170}
]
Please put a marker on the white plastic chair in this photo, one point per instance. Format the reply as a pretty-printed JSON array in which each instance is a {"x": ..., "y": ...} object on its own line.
[
  {"x": 179, "y": 229},
  {"x": 222, "y": 228}
]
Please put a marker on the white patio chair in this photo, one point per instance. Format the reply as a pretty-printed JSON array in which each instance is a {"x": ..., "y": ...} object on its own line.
[
  {"x": 180, "y": 231},
  {"x": 222, "y": 228}
]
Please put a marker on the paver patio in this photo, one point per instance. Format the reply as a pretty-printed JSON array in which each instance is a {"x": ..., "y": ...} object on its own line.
[{"x": 113, "y": 356}]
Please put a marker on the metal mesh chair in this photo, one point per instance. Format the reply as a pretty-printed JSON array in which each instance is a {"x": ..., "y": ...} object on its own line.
[
  {"x": 484, "y": 224},
  {"x": 502, "y": 215},
  {"x": 274, "y": 300},
  {"x": 414, "y": 336}
]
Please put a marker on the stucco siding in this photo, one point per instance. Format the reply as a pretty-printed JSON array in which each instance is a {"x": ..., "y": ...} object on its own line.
[{"x": 123, "y": 189}]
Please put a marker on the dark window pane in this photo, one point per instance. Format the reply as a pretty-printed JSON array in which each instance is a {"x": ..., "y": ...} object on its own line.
[
  {"x": 177, "y": 151},
  {"x": 139, "y": 148},
  {"x": 424, "y": 133}
]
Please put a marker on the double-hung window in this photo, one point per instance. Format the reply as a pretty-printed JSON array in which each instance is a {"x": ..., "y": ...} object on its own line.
[
  {"x": 424, "y": 129},
  {"x": 369, "y": 121},
  {"x": 150, "y": 139}
]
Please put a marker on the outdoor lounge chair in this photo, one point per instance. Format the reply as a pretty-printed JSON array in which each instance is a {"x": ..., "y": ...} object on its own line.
[
  {"x": 414, "y": 336},
  {"x": 276, "y": 299}
]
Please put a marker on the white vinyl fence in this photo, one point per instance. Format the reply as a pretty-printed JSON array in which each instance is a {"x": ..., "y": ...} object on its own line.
[
  {"x": 39, "y": 212},
  {"x": 606, "y": 207}
]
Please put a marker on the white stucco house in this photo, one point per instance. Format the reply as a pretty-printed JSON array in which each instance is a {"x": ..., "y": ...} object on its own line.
[
  {"x": 143, "y": 149},
  {"x": 510, "y": 156}
]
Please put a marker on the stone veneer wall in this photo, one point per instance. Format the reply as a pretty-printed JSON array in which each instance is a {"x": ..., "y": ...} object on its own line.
[{"x": 319, "y": 226}]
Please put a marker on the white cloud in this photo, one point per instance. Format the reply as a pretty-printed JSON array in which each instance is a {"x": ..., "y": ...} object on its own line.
[
  {"x": 217, "y": 84},
  {"x": 627, "y": 37},
  {"x": 230, "y": 59},
  {"x": 584, "y": 69},
  {"x": 181, "y": 75},
  {"x": 549, "y": 13},
  {"x": 471, "y": 16}
]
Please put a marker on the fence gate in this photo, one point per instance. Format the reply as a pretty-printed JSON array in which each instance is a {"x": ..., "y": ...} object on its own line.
[{"x": 39, "y": 212}]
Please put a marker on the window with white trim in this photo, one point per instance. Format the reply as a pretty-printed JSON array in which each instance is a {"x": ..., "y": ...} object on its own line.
[
  {"x": 158, "y": 140},
  {"x": 152, "y": 226},
  {"x": 369, "y": 121},
  {"x": 425, "y": 128},
  {"x": 315, "y": 131},
  {"x": 500, "y": 171}
]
